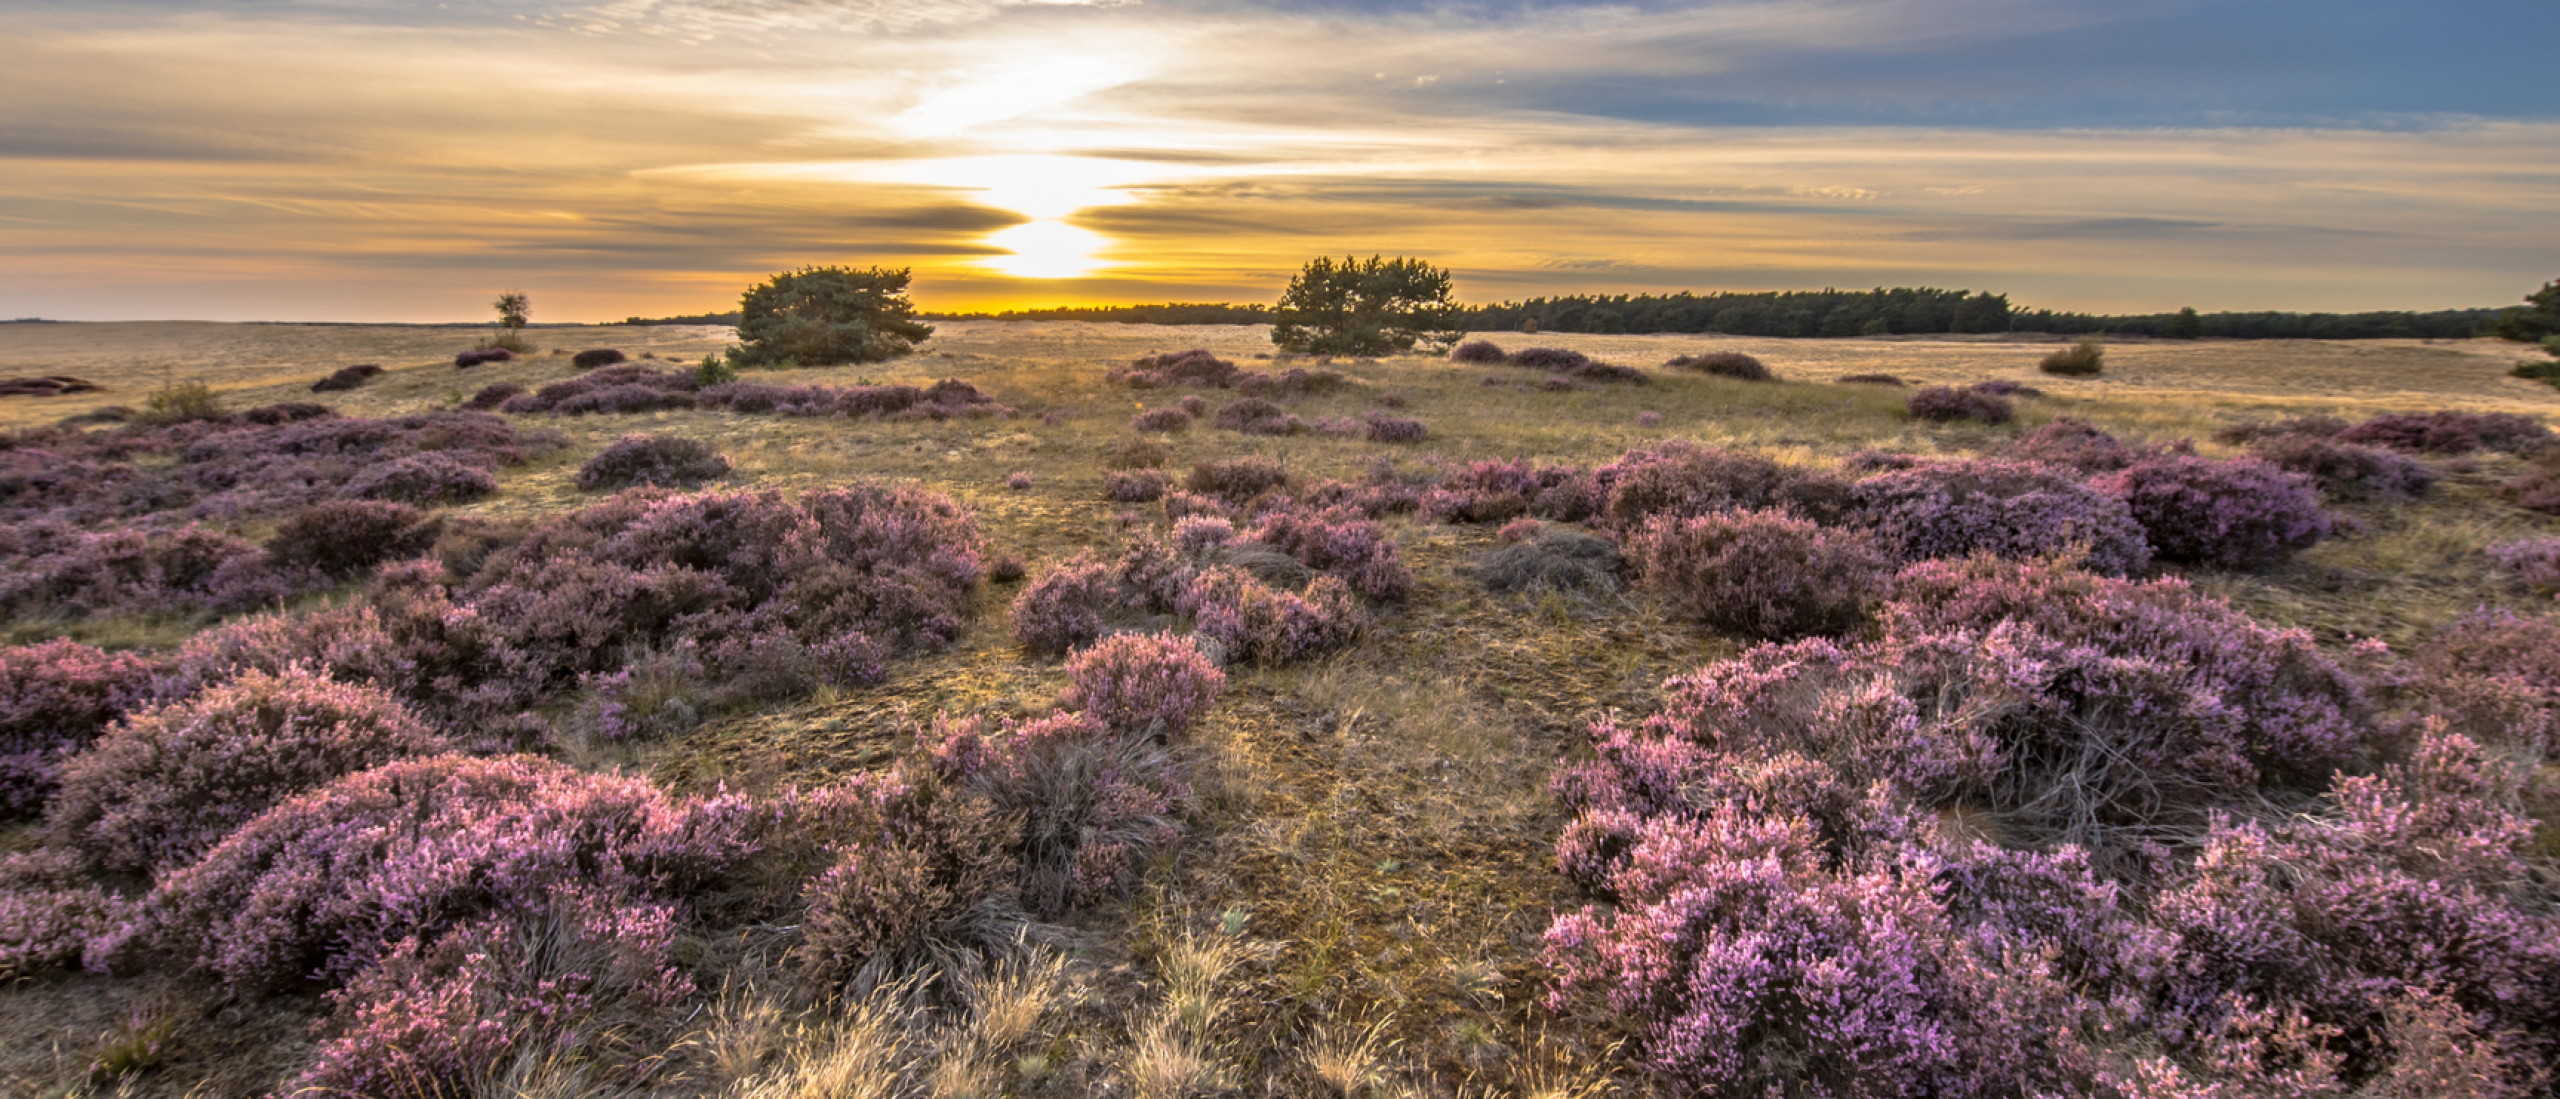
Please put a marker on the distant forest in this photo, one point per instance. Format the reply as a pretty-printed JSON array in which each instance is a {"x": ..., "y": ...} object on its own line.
[{"x": 1802, "y": 313}]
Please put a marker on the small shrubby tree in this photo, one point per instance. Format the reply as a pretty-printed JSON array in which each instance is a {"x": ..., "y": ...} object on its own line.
[
  {"x": 1371, "y": 307},
  {"x": 821, "y": 316}
]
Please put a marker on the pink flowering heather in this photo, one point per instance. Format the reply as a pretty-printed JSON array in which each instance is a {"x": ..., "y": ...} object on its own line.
[
  {"x": 55, "y": 698},
  {"x": 342, "y": 537},
  {"x": 1519, "y": 530},
  {"x": 1167, "y": 420},
  {"x": 663, "y": 461},
  {"x": 1395, "y": 429},
  {"x": 324, "y": 884},
  {"x": 1683, "y": 479},
  {"x": 2006, "y": 509},
  {"x": 52, "y": 916},
  {"x": 166, "y": 784},
  {"x": 1254, "y": 622},
  {"x": 920, "y": 876},
  {"x": 2537, "y": 488},
  {"x": 1195, "y": 404},
  {"x": 2346, "y": 471},
  {"x": 1764, "y": 575},
  {"x": 435, "y": 477},
  {"x": 1135, "y": 486},
  {"x": 2072, "y": 443},
  {"x": 1338, "y": 544},
  {"x": 2237, "y": 513},
  {"x": 1477, "y": 351},
  {"x": 1158, "y": 683},
  {"x": 1236, "y": 480},
  {"x": 2535, "y": 561},
  {"x": 1946, "y": 404},
  {"x": 2451, "y": 432},
  {"x": 1065, "y": 606},
  {"x": 1019, "y": 480},
  {"x": 1198, "y": 534}
]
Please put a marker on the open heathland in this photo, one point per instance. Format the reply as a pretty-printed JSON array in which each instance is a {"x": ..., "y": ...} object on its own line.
[{"x": 1075, "y": 709}]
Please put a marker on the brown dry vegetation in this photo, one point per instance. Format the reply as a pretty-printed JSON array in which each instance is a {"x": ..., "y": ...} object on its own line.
[{"x": 1358, "y": 907}]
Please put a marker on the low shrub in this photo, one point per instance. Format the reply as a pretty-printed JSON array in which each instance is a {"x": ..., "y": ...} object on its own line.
[
  {"x": 1724, "y": 364},
  {"x": 1136, "y": 486},
  {"x": 2237, "y": 513},
  {"x": 1553, "y": 359},
  {"x": 2535, "y": 489},
  {"x": 1764, "y": 575},
  {"x": 2347, "y": 471},
  {"x": 164, "y": 785},
  {"x": 1197, "y": 366},
  {"x": 2072, "y": 443},
  {"x": 1518, "y": 531},
  {"x": 2087, "y": 359},
  {"x": 1681, "y": 479},
  {"x": 919, "y": 879},
  {"x": 2535, "y": 561},
  {"x": 1179, "y": 506},
  {"x": 1392, "y": 429},
  {"x": 2246, "y": 432},
  {"x": 1867, "y": 379},
  {"x": 1157, "y": 684},
  {"x": 1255, "y": 416},
  {"x": 2005, "y": 509},
  {"x": 353, "y": 377},
  {"x": 1236, "y": 480},
  {"x": 465, "y": 360},
  {"x": 2003, "y": 387},
  {"x": 1137, "y": 453},
  {"x": 343, "y": 537},
  {"x": 1093, "y": 802},
  {"x": 595, "y": 357},
  {"x": 1019, "y": 480},
  {"x": 658, "y": 461},
  {"x": 55, "y": 698},
  {"x": 1255, "y": 623},
  {"x": 1161, "y": 419},
  {"x": 435, "y": 477},
  {"x": 180, "y": 403},
  {"x": 1945, "y": 404},
  {"x": 1339, "y": 544},
  {"x": 1198, "y": 534},
  {"x": 52, "y": 918},
  {"x": 1195, "y": 405},
  {"x": 48, "y": 568},
  {"x": 1557, "y": 559},
  {"x": 2451, "y": 432},
  {"x": 1064, "y": 608},
  {"x": 1476, "y": 351}
]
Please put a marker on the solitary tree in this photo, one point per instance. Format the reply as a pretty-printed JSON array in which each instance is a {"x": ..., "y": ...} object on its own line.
[
  {"x": 1365, "y": 308},
  {"x": 819, "y": 316},
  {"x": 514, "y": 309}
]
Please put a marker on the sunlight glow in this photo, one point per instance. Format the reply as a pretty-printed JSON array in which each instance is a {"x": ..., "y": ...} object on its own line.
[
  {"x": 1046, "y": 250},
  {"x": 1011, "y": 93}
]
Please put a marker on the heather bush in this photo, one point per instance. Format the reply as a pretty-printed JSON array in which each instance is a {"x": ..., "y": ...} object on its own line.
[
  {"x": 1198, "y": 534},
  {"x": 1255, "y": 416},
  {"x": 465, "y": 360},
  {"x": 2087, "y": 359},
  {"x": 1724, "y": 364},
  {"x": 2535, "y": 561},
  {"x": 2072, "y": 443},
  {"x": 1179, "y": 506},
  {"x": 60, "y": 922},
  {"x": 1197, "y": 366},
  {"x": 1064, "y": 608},
  {"x": 1476, "y": 351},
  {"x": 1518, "y": 530},
  {"x": 1161, "y": 419},
  {"x": 2537, "y": 488},
  {"x": 2236, "y": 513},
  {"x": 1555, "y": 359},
  {"x": 948, "y": 399},
  {"x": 1868, "y": 379},
  {"x": 353, "y": 377},
  {"x": 2451, "y": 432},
  {"x": 1556, "y": 559},
  {"x": 2347, "y": 471},
  {"x": 1019, "y": 480},
  {"x": 1135, "y": 486},
  {"x": 342, "y": 537},
  {"x": 1137, "y": 453},
  {"x": 1006, "y": 569},
  {"x": 435, "y": 477},
  {"x": 2003, "y": 387},
  {"x": 1945, "y": 404},
  {"x": 1761, "y": 574},
  {"x": 917, "y": 881},
  {"x": 1293, "y": 382},
  {"x": 1682, "y": 479},
  {"x": 595, "y": 357},
  {"x": 55, "y": 698},
  {"x": 1236, "y": 480},
  {"x": 1147, "y": 683},
  {"x": 1092, "y": 802},
  {"x": 2006, "y": 509},
  {"x": 325, "y": 884},
  {"x": 661, "y": 461},
  {"x": 1392, "y": 429},
  {"x": 1334, "y": 542},
  {"x": 2246, "y": 432},
  {"x": 1253, "y": 622},
  {"x": 165, "y": 784}
]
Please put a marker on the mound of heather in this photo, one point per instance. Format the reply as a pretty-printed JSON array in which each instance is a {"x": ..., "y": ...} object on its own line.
[{"x": 2005, "y": 509}]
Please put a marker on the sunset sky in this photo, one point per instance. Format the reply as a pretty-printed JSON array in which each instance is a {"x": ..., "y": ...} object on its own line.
[{"x": 349, "y": 160}]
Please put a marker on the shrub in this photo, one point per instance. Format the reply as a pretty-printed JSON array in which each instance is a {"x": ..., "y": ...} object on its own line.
[
  {"x": 1161, "y": 419},
  {"x": 435, "y": 477},
  {"x": 1680, "y": 479},
  {"x": 53, "y": 919},
  {"x": 628, "y": 387},
  {"x": 180, "y": 403},
  {"x": 2535, "y": 561},
  {"x": 1198, "y": 534},
  {"x": 1136, "y": 486},
  {"x": 1005, "y": 569},
  {"x": 2003, "y": 387},
  {"x": 163, "y": 786},
  {"x": 324, "y": 884},
  {"x": 1137, "y": 453},
  {"x": 1255, "y": 416},
  {"x": 1476, "y": 351},
  {"x": 2250, "y": 431},
  {"x": 1724, "y": 364},
  {"x": 2537, "y": 488},
  {"x": 821, "y": 316},
  {"x": 920, "y": 877},
  {"x": 1236, "y": 480},
  {"x": 465, "y": 360},
  {"x": 1518, "y": 530},
  {"x": 1195, "y": 405},
  {"x": 2072, "y": 443},
  {"x": 1198, "y": 366},
  {"x": 352, "y": 377},
  {"x": 1867, "y": 379},
  {"x": 595, "y": 357},
  {"x": 1390, "y": 429},
  {"x": 1944, "y": 404},
  {"x": 659, "y": 461},
  {"x": 1558, "y": 559},
  {"x": 1375, "y": 307},
  {"x": 2346, "y": 471},
  {"x": 2005, "y": 509},
  {"x": 2238, "y": 513},
  {"x": 1065, "y": 606},
  {"x": 1019, "y": 480},
  {"x": 342, "y": 537},
  {"x": 1145, "y": 683},
  {"x": 1334, "y": 542},
  {"x": 1763, "y": 575},
  {"x": 1252, "y": 622},
  {"x": 2451, "y": 432},
  {"x": 55, "y": 698},
  {"x": 1552, "y": 359},
  {"x": 1093, "y": 802},
  {"x": 2085, "y": 360}
]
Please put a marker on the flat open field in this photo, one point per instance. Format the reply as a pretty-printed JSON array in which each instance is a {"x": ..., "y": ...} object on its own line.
[{"x": 1374, "y": 833}]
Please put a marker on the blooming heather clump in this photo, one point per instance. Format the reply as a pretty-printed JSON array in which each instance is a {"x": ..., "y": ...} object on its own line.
[
  {"x": 1065, "y": 606},
  {"x": 1135, "y": 486},
  {"x": 1198, "y": 534},
  {"x": 52, "y": 917},
  {"x": 1518, "y": 530},
  {"x": 1197, "y": 366},
  {"x": 55, "y": 698},
  {"x": 1476, "y": 351},
  {"x": 1157, "y": 683},
  {"x": 2238, "y": 513},
  {"x": 326, "y": 883},
  {"x": 1648, "y": 418},
  {"x": 1019, "y": 480},
  {"x": 1254, "y": 622},
  {"x": 2006, "y": 509},
  {"x": 1092, "y": 801},
  {"x": 595, "y": 357},
  {"x": 1682, "y": 479},
  {"x": 2451, "y": 432},
  {"x": 342, "y": 537},
  {"x": 1194, "y": 404},
  {"x": 1161, "y": 419},
  {"x": 1395, "y": 429},
  {"x": 2346, "y": 471},
  {"x": 2072, "y": 443},
  {"x": 660, "y": 461},
  {"x": 435, "y": 477},
  {"x": 2537, "y": 488},
  {"x": 465, "y": 360},
  {"x": 1338, "y": 544},
  {"x": 2003, "y": 387},
  {"x": 166, "y": 784},
  {"x": 353, "y": 377},
  {"x": 1555, "y": 359},
  {"x": 1255, "y": 416},
  {"x": 1761, "y": 574},
  {"x": 51, "y": 568},
  {"x": 2535, "y": 561},
  {"x": 1236, "y": 480},
  {"x": 1945, "y": 404},
  {"x": 1179, "y": 506},
  {"x": 1724, "y": 364},
  {"x": 934, "y": 857}
]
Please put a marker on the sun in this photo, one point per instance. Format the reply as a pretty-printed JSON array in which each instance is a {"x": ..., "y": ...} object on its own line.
[{"x": 1046, "y": 250}]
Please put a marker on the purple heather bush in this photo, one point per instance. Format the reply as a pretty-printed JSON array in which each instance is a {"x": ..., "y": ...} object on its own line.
[
  {"x": 1019, "y": 480},
  {"x": 1555, "y": 359},
  {"x": 595, "y": 357},
  {"x": 328, "y": 883},
  {"x": 1197, "y": 366},
  {"x": 2535, "y": 561},
  {"x": 2537, "y": 488},
  {"x": 1497, "y": 491},
  {"x": 435, "y": 477},
  {"x": 1763, "y": 575},
  {"x": 465, "y": 360},
  {"x": 52, "y": 917},
  {"x": 1339, "y": 544},
  {"x": 344, "y": 537},
  {"x": 1161, "y": 419},
  {"x": 2451, "y": 432},
  {"x": 1146, "y": 683},
  {"x": 1237, "y": 480},
  {"x": 658, "y": 461},
  {"x": 1135, "y": 486},
  {"x": 1946, "y": 404},
  {"x": 2003, "y": 387},
  {"x": 165, "y": 784},
  {"x": 1682, "y": 479},
  {"x": 1064, "y": 608},
  {"x": 2237, "y": 513},
  {"x": 1395, "y": 429},
  {"x": 1179, "y": 506},
  {"x": 55, "y": 698},
  {"x": 1648, "y": 418},
  {"x": 2072, "y": 443},
  {"x": 1868, "y": 379},
  {"x": 1198, "y": 534},
  {"x": 1255, "y": 416},
  {"x": 1195, "y": 405},
  {"x": 55, "y": 569},
  {"x": 1006, "y": 569},
  {"x": 1724, "y": 364},
  {"x": 1254, "y": 622},
  {"x": 1337, "y": 427},
  {"x": 2006, "y": 509},
  {"x": 2347, "y": 471},
  {"x": 1477, "y": 351},
  {"x": 353, "y": 377},
  {"x": 1518, "y": 530}
]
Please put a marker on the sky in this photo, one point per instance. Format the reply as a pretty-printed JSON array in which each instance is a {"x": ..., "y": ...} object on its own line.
[{"x": 362, "y": 160}]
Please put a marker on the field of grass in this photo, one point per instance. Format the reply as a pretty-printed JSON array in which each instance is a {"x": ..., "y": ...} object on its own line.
[{"x": 1358, "y": 904}]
